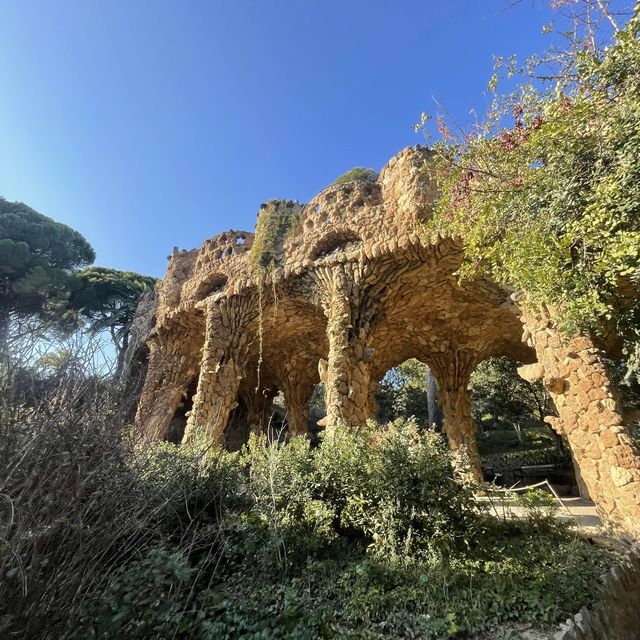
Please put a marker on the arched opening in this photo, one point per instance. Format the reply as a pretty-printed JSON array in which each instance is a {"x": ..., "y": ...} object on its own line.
[
  {"x": 409, "y": 390},
  {"x": 334, "y": 241},
  {"x": 178, "y": 423},
  {"x": 256, "y": 411},
  {"x": 515, "y": 441},
  {"x": 211, "y": 284},
  {"x": 317, "y": 410}
]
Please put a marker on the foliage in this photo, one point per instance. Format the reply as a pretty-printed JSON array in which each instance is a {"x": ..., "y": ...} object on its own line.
[
  {"x": 37, "y": 259},
  {"x": 398, "y": 490},
  {"x": 79, "y": 498},
  {"x": 517, "y": 575},
  {"x": 276, "y": 219},
  {"x": 543, "y": 455},
  {"x": 147, "y": 600},
  {"x": 345, "y": 540},
  {"x": 519, "y": 437},
  {"x": 545, "y": 191},
  {"x": 108, "y": 300},
  {"x": 366, "y": 535},
  {"x": 391, "y": 490},
  {"x": 358, "y": 173},
  {"x": 540, "y": 506},
  {"x": 498, "y": 390},
  {"x": 403, "y": 393}
]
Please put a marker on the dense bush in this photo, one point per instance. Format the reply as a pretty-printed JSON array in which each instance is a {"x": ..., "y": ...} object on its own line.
[
  {"x": 392, "y": 490},
  {"x": 544, "y": 191},
  {"x": 366, "y": 535},
  {"x": 78, "y": 500}
]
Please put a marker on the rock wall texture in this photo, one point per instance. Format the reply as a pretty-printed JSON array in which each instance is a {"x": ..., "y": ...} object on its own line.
[{"x": 353, "y": 288}]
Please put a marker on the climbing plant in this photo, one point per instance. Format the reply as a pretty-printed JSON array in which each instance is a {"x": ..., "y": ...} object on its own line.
[
  {"x": 545, "y": 191},
  {"x": 276, "y": 219}
]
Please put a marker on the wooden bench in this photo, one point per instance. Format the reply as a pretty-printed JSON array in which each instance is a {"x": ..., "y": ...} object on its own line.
[{"x": 534, "y": 471}]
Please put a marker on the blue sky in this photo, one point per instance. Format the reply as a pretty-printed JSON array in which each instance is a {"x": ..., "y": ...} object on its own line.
[{"x": 152, "y": 124}]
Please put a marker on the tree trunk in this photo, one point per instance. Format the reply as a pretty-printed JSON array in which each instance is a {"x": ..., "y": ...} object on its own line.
[
  {"x": 121, "y": 350},
  {"x": 433, "y": 408}
]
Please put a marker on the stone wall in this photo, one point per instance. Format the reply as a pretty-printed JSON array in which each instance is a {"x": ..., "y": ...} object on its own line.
[
  {"x": 591, "y": 417},
  {"x": 354, "y": 288},
  {"x": 615, "y": 615}
]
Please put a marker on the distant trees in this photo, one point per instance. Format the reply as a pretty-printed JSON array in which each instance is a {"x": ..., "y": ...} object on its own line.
[
  {"x": 498, "y": 391},
  {"x": 42, "y": 276},
  {"x": 107, "y": 300},
  {"x": 404, "y": 392},
  {"x": 38, "y": 260},
  {"x": 358, "y": 173}
]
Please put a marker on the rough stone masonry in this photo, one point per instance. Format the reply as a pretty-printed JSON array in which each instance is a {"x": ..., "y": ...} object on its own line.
[{"x": 352, "y": 290}]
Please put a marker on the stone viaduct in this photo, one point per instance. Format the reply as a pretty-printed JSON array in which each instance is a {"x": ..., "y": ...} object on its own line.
[{"x": 353, "y": 288}]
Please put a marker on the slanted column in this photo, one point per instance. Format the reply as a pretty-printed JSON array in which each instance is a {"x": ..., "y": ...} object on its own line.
[
  {"x": 453, "y": 379},
  {"x": 296, "y": 403},
  {"x": 591, "y": 417},
  {"x": 224, "y": 357},
  {"x": 346, "y": 372},
  {"x": 172, "y": 369}
]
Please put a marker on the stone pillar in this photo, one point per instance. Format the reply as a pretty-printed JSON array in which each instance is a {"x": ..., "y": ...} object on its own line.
[
  {"x": 172, "y": 368},
  {"x": 461, "y": 430},
  {"x": 346, "y": 372},
  {"x": 591, "y": 417},
  {"x": 452, "y": 370},
  {"x": 296, "y": 402},
  {"x": 224, "y": 357}
]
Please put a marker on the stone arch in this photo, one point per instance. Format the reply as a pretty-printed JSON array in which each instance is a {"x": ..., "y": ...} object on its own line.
[
  {"x": 359, "y": 285},
  {"x": 335, "y": 240},
  {"x": 210, "y": 284}
]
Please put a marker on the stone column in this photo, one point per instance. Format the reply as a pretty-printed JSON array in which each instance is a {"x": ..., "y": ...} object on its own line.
[
  {"x": 346, "y": 372},
  {"x": 172, "y": 368},
  {"x": 452, "y": 370},
  {"x": 461, "y": 430},
  {"x": 224, "y": 357},
  {"x": 591, "y": 417},
  {"x": 296, "y": 402}
]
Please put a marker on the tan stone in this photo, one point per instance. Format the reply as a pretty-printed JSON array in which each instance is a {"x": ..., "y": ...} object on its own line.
[
  {"x": 620, "y": 476},
  {"x": 352, "y": 290}
]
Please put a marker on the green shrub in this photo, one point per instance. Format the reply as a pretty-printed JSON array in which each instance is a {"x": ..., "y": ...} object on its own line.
[
  {"x": 392, "y": 491},
  {"x": 198, "y": 486},
  {"x": 358, "y": 173},
  {"x": 399, "y": 493},
  {"x": 284, "y": 504},
  {"x": 147, "y": 599}
]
